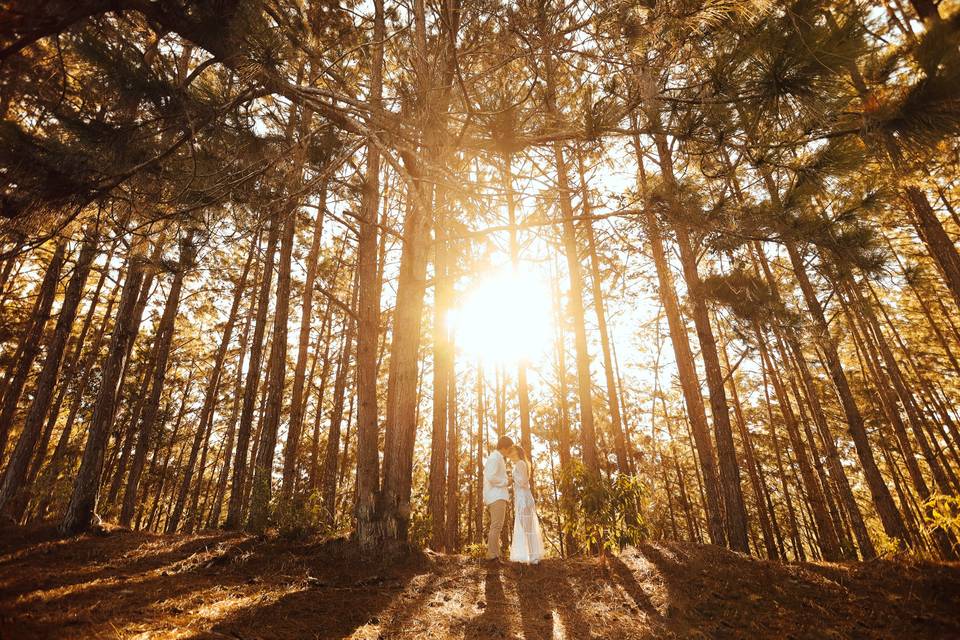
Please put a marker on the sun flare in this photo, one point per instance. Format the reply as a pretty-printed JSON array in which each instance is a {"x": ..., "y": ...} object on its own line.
[{"x": 505, "y": 317}]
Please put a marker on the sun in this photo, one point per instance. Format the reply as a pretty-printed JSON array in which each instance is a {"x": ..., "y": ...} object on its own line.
[{"x": 504, "y": 318}]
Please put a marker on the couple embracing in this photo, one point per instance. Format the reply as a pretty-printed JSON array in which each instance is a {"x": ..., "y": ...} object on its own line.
[{"x": 527, "y": 544}]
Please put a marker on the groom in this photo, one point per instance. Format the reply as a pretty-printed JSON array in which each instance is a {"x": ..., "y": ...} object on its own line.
[{"x": 496, "y": 494}]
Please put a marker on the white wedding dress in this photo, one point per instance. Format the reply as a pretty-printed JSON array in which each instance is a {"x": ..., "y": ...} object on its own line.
[{"x": 527, "y": 544}]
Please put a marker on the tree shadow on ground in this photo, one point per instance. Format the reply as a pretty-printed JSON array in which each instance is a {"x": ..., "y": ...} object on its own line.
[
  {"x": 551, "y": 598},
  {"x": 494, "y": 619},
  {"x": 728, "y": 595},
  {"x": 143, "y": 583},
  {"x": 341, "y": 596},
  {"x": 216, "y": 586},
  {"x": 536, "y": 609},
  {"x": 626, "y": 579},
  {"x": 327, "y": 613}
]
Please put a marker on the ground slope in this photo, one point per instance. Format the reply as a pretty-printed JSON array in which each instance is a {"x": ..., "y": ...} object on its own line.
[{"x": 217, "y": 585}]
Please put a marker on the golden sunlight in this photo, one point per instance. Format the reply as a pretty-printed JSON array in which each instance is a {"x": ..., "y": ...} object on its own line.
[{"x": 505, "y": 317}]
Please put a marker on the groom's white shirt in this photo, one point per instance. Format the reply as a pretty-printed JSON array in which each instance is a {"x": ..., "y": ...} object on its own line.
[{"x": 495, "y": 482}]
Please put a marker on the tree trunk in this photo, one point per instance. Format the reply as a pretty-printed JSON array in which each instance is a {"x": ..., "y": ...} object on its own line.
[
  {"x": 452, "y": 541},
  {"x": 83, "y": 501},
  {"x": 887, "y": 382},
  {"x": 882, "y": 500},
  {"x": 613, "y": 402},
  {"x": 829, "y": 542},
  {"x": 57, "y": 458},
  {"x": 588, "y": 436},
  {"x": 205, "y": 422},
  {"x": 30, "y": 343},
  {"x": 734, "y": 510},
  {"x": 235, "y": 507},
  {"x": 297, "y": 404},
  {"x": 329, "y": 486},
  {"x": 125, "y": 444},
  {"x": 368, "y": 316},
  {"x": 402, "y": 381},
  {"x": 164, "y": 340},
  {"x": 846, "y": 545},
  {"x": 798, "y": 551},
  {"x": 161, "y": 485},
  {"x": 213, "y": 519},
  {"x": 13, "y": 493},
  {"x": 907, "y": 399},
  {"x": 326, "y": 339},
  {"x": 523, "y": 387},
  {"x": 753, "y": 470},
  {"x": 436, "y": 489},
  {"x": 263, "y": 467},
  {"x": 72, "y": 365},
  {"x": 686, "y": 370},
  {"x": 837, "y": 472}
]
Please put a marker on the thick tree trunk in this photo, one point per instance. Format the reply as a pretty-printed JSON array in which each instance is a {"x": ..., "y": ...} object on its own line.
[
  {"x": 734, "y": 510},
  {"x": 235, "y": 508},
  {"x": 30, "y": 343},
  {"x": 119, "y": 457},
  {"x": 73, "y": 365},
  {"x": 148, "y": 418},
  {"x": 753, "y": 469},
  {"x": 368, "y": 316},
  {"x": 13, "y": 493},
  {"x": 686, "y": 369},
  {"x": 263, "y": 467},
  {"x": 452, "y": 541},
  {"x": 690, "y": 386},
  {"x": 57, "y": 458},
  {"x": 436, "y": 489},
  {"x": 401, "y": 419},
  {"x": 83, "y": 501},
  {"x": 297, "y": 404},
  {"x": 931, "y": 231},
  {"x": 588, "y": 436}
]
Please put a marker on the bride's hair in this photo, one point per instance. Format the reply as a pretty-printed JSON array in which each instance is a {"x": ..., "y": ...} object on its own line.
[{"x": 523, "y": 454}]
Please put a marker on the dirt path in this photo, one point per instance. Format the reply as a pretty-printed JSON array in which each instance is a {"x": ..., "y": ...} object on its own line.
[{"x": 217, "y": 585}]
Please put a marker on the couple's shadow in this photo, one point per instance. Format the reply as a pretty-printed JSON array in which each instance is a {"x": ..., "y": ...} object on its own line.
[{"x": 543, "y": 601}]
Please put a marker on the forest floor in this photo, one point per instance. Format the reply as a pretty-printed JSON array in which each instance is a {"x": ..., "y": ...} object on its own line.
[{"x": 230, "y": 586}]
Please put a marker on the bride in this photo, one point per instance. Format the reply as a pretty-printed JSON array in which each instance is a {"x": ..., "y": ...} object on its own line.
[{"x": 527, "y": 544}]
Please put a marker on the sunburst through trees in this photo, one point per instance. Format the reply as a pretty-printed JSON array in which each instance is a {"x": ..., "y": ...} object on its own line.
[{"x": 297, "y": 265}]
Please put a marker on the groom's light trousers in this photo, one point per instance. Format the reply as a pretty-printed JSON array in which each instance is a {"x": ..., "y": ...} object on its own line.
[{"x": 498, "y": 511}]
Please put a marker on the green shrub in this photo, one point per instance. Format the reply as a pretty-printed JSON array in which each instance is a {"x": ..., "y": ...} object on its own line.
[
  {"x": 943, "y": 512},
  {"x": 604, "y": 514}
]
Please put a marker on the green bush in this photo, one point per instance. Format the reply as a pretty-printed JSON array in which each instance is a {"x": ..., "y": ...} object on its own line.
[
  {"x": 604, "y": 514},
  {"x": 302, "y": 515},
  {"x": 943, "y": 512}
]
